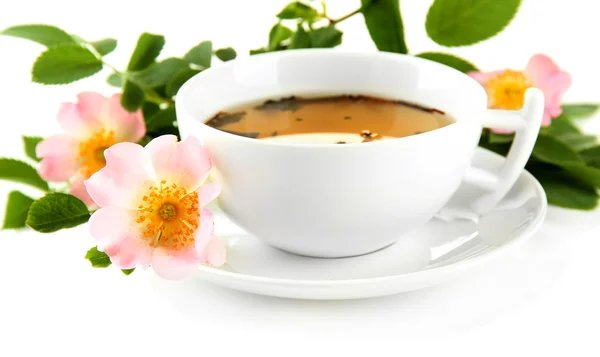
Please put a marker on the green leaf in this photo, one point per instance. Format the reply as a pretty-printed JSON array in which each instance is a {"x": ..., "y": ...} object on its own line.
[
  {"x": 148, "y": 47},
  {"x": 161, "y": 119},
  {"x": 18, "y": 171},
  {"x": 579, "y": 110},
  {"x": 178, "y": 80},
  {"x": 65, "y": 63},
  {"x": 465, "y": 22},
  {"x": 258, "y": 51},
  {"x": 553, "y": 151},
  {"x": 104, "y": 46},
  {"x": 46, "y": 35},
  {"x": 560, "y": 126},
  {"x": 591, "y": 156},
  {"x": 160, "y": 73},
  {"x": 298, "y": 10},
  {"x": 579, "y": 141},
  {"x": 500, "y": 138},
  {"x": 567, "y": 193},
  {"x": 587, "y": 174},
  {"x": 278, "y": 34},
  {"x": 384, "y": 23},
  {"x": 29, "y": 145},
  {"x": 17, "y": 206},
  {"x": 326, "y": 37},
  {"x": 133, "y": 96},
  {"x": 449, "y": 60},
  {"x": 114, "y": 80},
  {"x": 300, "y": 39},
  {"x": 226, "y": 54},
  {"x": 200, "y": 55},
  {"x": 98, "y": 259},
  {"x": 56, "y": 211},
  {"x": 127, "y": 271},
  {"x": 149, "y": 109}
]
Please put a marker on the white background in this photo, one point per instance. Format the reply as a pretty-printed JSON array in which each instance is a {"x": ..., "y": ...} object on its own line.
[{"x": 541, "y": 299}]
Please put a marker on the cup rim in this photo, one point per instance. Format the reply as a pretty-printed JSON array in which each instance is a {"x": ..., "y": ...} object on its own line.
[{"x": 189, "y": 84}]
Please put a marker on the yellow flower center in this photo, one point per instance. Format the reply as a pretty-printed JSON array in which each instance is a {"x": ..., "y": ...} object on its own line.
[
  {"x": 507, "y": 90},
  {"x": 91, "y": 152},
  {"x": 170, "y": 217}
]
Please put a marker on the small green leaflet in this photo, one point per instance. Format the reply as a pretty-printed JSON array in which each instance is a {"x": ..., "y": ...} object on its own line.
[
  {"x": 161, "y": 119},
  {"x": 326, "y": 37},
  {"x": 465, "y": 22},
  {"x": 298, "y": 10},
  {"x": 384, "y": 22},
  {"x": 98, "y": 259},
  {"x": 178, "y": 80},
  {"x": 278, "y": 34},
  {"x": 200, "y": 55},
  {"x": 160, "y": 73},
  {"x": 133, "y": 96},
  {"x": 450, "y": 60},
  {"x": 300, "y": 39},
  {"x": 226, "y": 54},
  {"x": 18, "y": 171},
  {"x": 553, "y": 151},
  {"x": 15, "y": 214},
  {"x": 104, "y": 46},
  {"x": 576, "y": 111},
  {"x": 114, "y": 80},
  {"x": 29, "y": 145},
  {"x": 56, "y": 211},
  {"x": 43, "y": 34},
  {"x": 146, "y": 50},
  {"x": 64, "y": 63},
  {"x": 127, "y": 271}
]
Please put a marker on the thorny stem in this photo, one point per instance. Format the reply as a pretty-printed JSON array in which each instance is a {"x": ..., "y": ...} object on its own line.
[{"x": 347, "y": 16}]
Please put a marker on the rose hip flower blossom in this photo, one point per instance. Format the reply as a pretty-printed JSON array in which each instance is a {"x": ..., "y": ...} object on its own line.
[
  {"x": 152, "y": 207},
  {"x": 90, "y": 126},
  {"x": 506, "y": 89}
]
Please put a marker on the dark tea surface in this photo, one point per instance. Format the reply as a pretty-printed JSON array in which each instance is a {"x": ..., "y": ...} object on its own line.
[{"x": 344, "y": 118}]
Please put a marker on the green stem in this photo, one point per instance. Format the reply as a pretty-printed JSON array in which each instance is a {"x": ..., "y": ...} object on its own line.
[
  {"x": 151, "y": 95},
  {"x": 345, "y": 17}
]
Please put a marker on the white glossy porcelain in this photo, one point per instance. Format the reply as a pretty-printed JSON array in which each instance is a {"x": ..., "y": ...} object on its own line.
[
  {"x": 445, "y": 248},
  {"x": 328, "y": 200}
]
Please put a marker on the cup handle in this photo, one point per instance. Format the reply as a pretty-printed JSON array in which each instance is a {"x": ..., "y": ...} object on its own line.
[{"x": 526, "y": 123}]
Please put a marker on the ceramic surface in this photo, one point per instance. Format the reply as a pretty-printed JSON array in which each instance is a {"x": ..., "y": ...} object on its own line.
[{"x": 450, "y": 245}]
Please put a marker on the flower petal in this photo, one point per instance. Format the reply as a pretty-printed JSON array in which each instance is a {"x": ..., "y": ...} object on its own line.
[
  {"x": 91, "y": 105},
  {"x": 78, "y": 190},
  {"x": 208, "y": 192},
  {"x": 205, "y": 229},
  {"x": 127, "y": 126},
  {"x": 59, "y": 153},
  {"x": 125, "y": 178},
  {"x": 539, "y": 68},
  {"x": 214, "y": 253},
  {"x": 130, "y": 253},
  {"x": 111, "y": 225},
  {"x": 184, "y": 163},
  {"x": 175, "y": 265},
  {"x": 73, "y": 123},
  {"x": 483, "y": 77}
]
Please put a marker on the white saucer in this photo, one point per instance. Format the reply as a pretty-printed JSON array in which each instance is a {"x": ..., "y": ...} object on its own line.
[{"x": 447, "y": 247}]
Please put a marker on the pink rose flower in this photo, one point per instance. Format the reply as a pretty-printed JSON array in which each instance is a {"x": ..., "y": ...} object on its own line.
[
  {"x": 152, "y": 207},
  {"x": 506, "y": 89},
  {"x": 90, "y": 126}
]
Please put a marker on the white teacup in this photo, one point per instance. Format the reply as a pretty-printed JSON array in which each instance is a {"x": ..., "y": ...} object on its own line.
[{"x": 328, "y": 200}]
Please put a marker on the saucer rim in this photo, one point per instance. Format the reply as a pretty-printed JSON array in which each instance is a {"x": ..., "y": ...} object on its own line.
[{"x": 420, "y": 275}]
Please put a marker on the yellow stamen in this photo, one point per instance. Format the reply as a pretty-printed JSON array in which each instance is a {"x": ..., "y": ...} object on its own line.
[
  {"x": 169, "y": 216},
  {"x": 91, "y": 152},
  {"x": 507, "y": 90}
]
